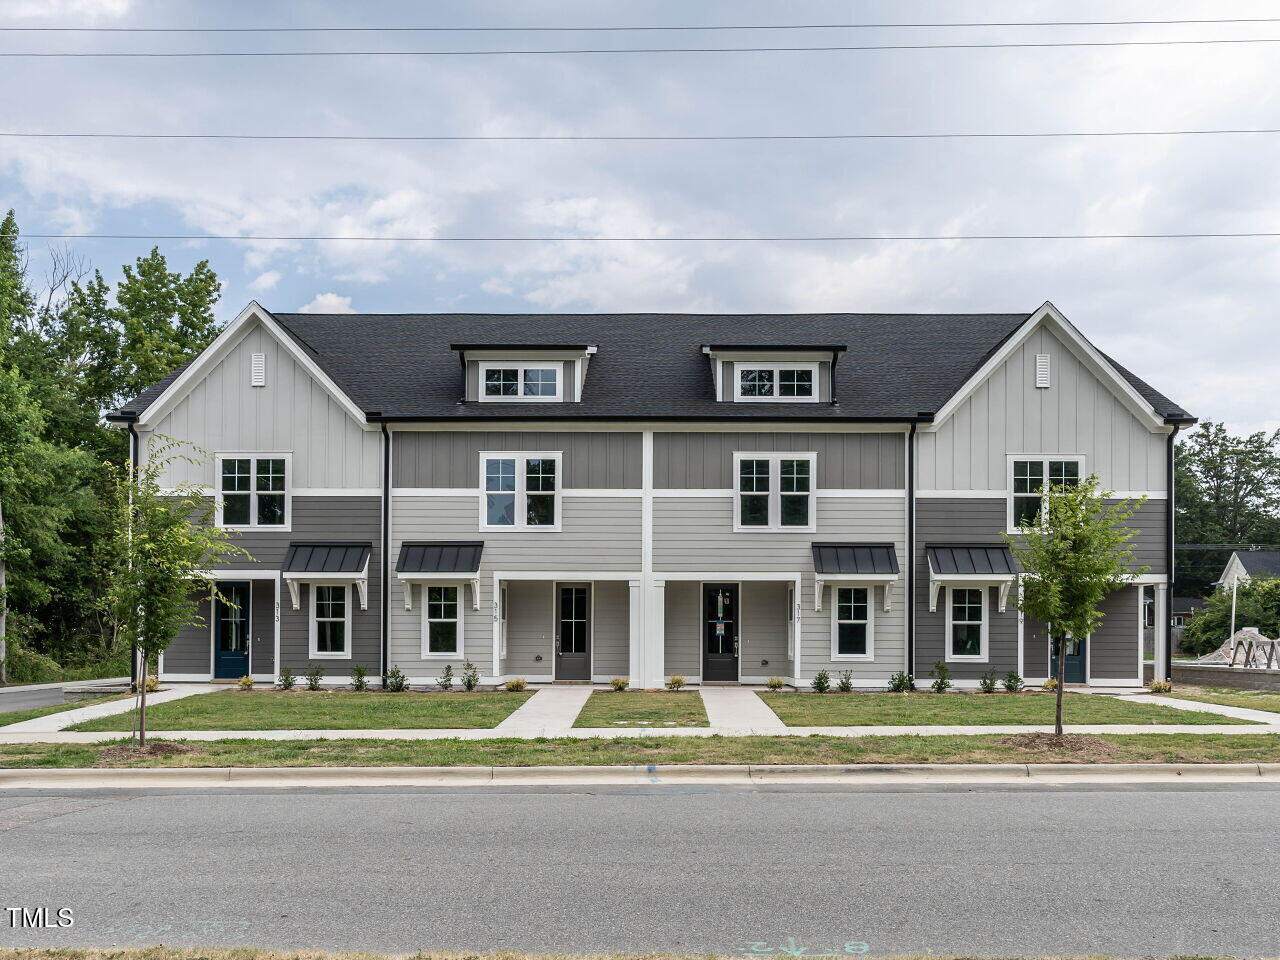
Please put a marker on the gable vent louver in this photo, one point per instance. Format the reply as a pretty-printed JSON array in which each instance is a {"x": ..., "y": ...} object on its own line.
[
  {"x": 1042, "y": 370},
  {"x": 258, "y": 370}
]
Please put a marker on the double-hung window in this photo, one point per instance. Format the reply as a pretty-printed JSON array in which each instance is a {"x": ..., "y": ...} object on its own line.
[
  {"x": 967, "y": 623},
  {"x": 520, "y": 491},
  {"x": 1029, "y": 478},
  {"x": 515, "y": 382},
  {"x": 782, "y": 383},
  {"x": 330, "y": 621},
  {"x": 441, "y": 634},
  {"x": 852, "y": 624},
  {"x": 253, "y": 491},
  {"x": 773, "y": 491}
]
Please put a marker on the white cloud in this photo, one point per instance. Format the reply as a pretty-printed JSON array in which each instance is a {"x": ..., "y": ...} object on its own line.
[
  {"x": 265, "y": 281},
  {"x": 328, "y": 303},
  {"x": 48, "y": 9}
]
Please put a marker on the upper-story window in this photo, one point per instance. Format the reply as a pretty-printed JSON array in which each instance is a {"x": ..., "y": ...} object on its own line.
[
  {"x": 1030, "y": 477},
  {"x": 784, "y": 383},
  {"x": 253, "y": 491},
  {"x": 514, "y": 382},
  {"x": 520, "y": 491},
  {"x": 773, "y": 491}
]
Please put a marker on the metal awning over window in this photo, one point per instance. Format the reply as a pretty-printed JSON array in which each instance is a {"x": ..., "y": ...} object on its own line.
[
  {"x": 866, "y": 564},
  {"x": 440, "y": 561},
  {"x": 970, "y": 564},
  {"x": 327, "y": 563}
]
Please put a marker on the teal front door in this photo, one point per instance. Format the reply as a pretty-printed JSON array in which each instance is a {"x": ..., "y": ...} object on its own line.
[
  {"x": 1074, "y": 671},
  {"x": 231, "y": 631}
]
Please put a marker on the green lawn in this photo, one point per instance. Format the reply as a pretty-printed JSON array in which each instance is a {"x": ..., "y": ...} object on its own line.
[
  {"x": 1229, "y": 697},
  {"x": 612, "y": 751},
  {"x": 636, "y": 708},
  {"x": 17, "y": 716},
  {"x": 968, "y": 709},
  {"x": 322, "y": 710}
]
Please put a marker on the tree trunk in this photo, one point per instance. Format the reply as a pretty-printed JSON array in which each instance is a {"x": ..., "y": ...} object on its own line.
[
  {"x": 1062, "y": 673},
  {"x": 142, "y": 707},
  {"x": 4, "y": 606}
]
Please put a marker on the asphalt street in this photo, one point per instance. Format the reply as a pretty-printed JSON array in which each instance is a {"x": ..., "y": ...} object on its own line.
[{"x": 1151, "y": 871}]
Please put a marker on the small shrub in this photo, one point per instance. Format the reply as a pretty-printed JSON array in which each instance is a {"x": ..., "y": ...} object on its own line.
[
  {"x": 1012, "y": 682},
  {"x": 470, "y": 676},
  {"x": 821, "y": 682},
  {"x": 359, "y": 679},
  {"x": 1160, "y": 686},
  {"x": 845, "y": 683},
  {"x": 516, "y": 685},
  {"x": 902, "y": 683},
  {"x": 396, "y": 681},
  {"x": 942, "y": 677},
  {"x": 286, "y": 680},
  {"x": 1050, "y": 684},
  {"x": 775, "y": 683},
  {"x": 446, "y": 678},
  {"x": 244, "y": 683},
  {"x": 314, "y": 676},
  {"x": 675, "y": 682},
  {"x": 619, "y": 684},
  {"x": 153, "y": 684},
  {"x": 987, "y": 682}
]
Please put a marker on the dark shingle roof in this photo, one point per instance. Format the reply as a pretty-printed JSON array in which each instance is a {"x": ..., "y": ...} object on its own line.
[
  {"x": 967, "y": 558},
  {"x": 898, "y": 366},
  {"x": 1260, "y": 563},
  {"x": 452, "y": 556},
  {"x": 326, "y": 557},
  {"x": 864, "y": 558}
]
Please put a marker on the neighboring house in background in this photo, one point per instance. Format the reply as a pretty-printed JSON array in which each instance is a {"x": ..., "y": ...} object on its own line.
[
  {"x": 1243, "y": 565},
  {"x": 725, "y": 497}
]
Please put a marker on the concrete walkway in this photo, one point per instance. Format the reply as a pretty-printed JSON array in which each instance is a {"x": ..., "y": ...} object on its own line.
[
  {"x": 548, "y": 713},
  {"x": 738, "y": 711},
  {"x": 68, "y": 718},
  {"x": 1222, "y": 710}
]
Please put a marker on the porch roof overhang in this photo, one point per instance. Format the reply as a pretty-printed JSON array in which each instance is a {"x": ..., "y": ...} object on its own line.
[
  {"x": 339, "y": 563},
  {"x": 868, "y": 564},
  {"x": 440, "y": 561},
  {"x": 972, "y": 565}
]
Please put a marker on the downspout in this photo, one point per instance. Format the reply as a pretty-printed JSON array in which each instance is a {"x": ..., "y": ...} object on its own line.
[
  {"x": 911, "y": 550},
  {"x": 134, "y": 442},
  {"x": 386, "y": 545},
  {"x": 1166, "y": 671}
]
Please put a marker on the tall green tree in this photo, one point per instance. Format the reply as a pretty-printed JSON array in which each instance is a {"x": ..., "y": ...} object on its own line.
[{"x": 1071, "y": 562}]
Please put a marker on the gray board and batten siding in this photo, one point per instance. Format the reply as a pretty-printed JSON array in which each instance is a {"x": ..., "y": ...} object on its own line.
[
  {"x": 603, "y": 460},
  {"x": 846, "y": 461}
]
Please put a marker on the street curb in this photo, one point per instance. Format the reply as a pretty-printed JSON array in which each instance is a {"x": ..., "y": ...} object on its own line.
[{"x": 727, "y": 774}]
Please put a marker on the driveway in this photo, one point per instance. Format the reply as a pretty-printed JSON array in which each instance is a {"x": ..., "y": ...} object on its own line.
[{"x": 30, "y": 696}]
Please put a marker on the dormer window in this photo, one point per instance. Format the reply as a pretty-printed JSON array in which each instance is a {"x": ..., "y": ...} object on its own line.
[
  {"x": 793, "y": 383},
  {"x": 520, "y": 382},
  {"x": 773, "y": 373}
]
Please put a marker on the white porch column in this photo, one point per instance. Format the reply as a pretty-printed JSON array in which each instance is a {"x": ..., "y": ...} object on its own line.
[
  {"x": 655, "y": 636},
  {"x": 1163, "y": 654},
  {"x": 635, "y": 637}
]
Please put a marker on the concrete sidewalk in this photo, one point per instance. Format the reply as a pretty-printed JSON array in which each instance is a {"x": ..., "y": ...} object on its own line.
[
  {"x": 56, "y": 722},
  {"x": 738, "y": 709},
  {"x": 1222, "y": 710},
  {"x": 548, "y": 713}
]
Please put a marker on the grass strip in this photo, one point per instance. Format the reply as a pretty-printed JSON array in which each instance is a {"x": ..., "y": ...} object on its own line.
[
  {"x": 17, "y": 716},
  {"x": 1229, "y": 697},
  {"x": 602, "y": 751},
  {"x": 635, "y": 708}
]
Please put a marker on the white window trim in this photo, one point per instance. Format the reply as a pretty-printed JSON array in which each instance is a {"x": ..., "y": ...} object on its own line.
[
  {"x": 459, "y": 620},
  {"x": 870, "y": 621},
  {"x": 253, "y": 457},
  {"x": 982, "y": 657},
  {"x": 312, "y": 652},
  {"x": 1044, "y": 458},
  {"x": 777, "y": 368},
  {"x": 521, "y": 367},
  {"x": 521, "y": 457},
  {"x": 775, "y": 492}
]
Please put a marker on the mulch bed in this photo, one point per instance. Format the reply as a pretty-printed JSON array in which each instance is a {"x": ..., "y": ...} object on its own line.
[
  {"x": 1078, "y": 745},
  {"x": 156, "y": 748}
]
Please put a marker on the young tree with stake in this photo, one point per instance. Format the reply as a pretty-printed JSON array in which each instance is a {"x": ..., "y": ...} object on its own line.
[{"x": 1072, "y": 559}]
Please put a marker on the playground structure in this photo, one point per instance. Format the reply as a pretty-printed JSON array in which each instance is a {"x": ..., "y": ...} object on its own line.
[{"x": 1247, "y": 647}]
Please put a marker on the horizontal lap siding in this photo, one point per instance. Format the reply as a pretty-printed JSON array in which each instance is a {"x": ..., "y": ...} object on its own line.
[
  {"x": 530, "y": 629},
  {"x": 1115, "y": 644},
  {"x": 192, "y": 649},
  {"x": 1150, "y": 541},
  {"x": 262, "y": 626},
  {"x": 598, "y": 533},
  {"x": 764, "y": 630},
  {"x": 682, "y": 623},
  {"x": 611, "y": 628},
  {"x": 451, "y": 459},
  {"x": 846, "y": 461}
]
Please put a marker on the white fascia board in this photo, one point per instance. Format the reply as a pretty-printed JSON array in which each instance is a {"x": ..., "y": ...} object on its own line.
[
  {"x": 1083, "y": 350},
  {"x": 218, "y": 349}
]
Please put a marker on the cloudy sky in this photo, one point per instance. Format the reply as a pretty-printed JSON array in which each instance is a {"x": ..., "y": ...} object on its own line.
[{"x": 1197, "y": 318}]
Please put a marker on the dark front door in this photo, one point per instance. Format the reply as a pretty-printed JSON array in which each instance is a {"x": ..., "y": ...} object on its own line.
[
  {"x": 573, "y": 631},
  {"x": 719, "y": 631},
  {"x": 231, "y": 630},
  {"x": 1075, "y": 661}
]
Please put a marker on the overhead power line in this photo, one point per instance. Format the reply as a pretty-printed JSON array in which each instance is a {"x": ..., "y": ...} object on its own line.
[
  {"x": 638, "y": 29},
  {"x": 101, "y": 54},
  {"x": 767, "y": 239},
  {"x": 501, "y": 138}
]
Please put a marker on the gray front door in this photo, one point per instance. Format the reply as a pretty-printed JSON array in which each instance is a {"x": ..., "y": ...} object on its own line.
[{"x": 573, "y": 631}]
